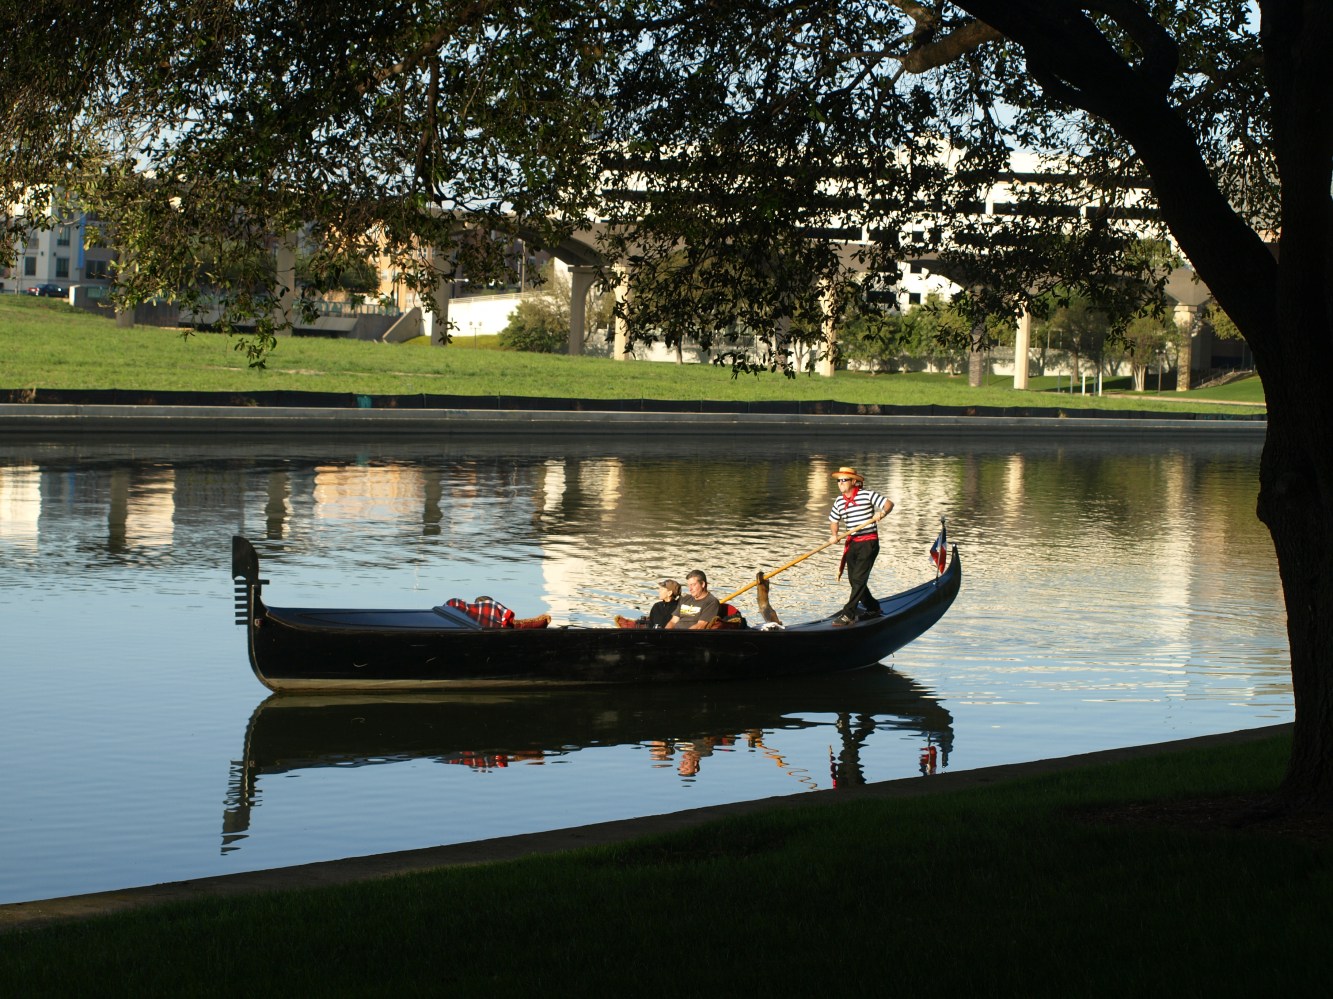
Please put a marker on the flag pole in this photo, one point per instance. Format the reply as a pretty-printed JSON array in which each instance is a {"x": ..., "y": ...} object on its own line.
[{"x": 939, "y": 551}]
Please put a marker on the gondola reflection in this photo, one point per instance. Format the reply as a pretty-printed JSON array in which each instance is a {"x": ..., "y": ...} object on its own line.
[{"x": 680, "y": 725}]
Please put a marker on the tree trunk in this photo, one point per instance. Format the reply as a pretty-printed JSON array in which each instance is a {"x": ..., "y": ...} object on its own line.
[
  {"x": 1296, "y": 504},
  {"x": 1284, "y": 312},
  {"x": 976, "y": 358}
]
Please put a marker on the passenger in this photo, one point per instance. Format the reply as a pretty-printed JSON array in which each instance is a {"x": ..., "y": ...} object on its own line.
[
  {"x": 668, "y": 599},
  {"x": 699, "y": 608}
]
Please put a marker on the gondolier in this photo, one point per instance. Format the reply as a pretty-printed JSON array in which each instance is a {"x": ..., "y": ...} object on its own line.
[{"x": 861, "y": 509}]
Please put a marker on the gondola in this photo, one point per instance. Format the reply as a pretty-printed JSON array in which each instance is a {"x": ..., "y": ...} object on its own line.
[
  {"x": 443, "y": 648},
  {"x": 488, "y": 730}
]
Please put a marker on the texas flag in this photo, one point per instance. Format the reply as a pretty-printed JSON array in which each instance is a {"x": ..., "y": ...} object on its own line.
[{"x": 939, "y": 551}]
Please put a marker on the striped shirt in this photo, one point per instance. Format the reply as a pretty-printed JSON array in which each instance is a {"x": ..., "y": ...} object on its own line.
[{"x": 863, "y": 508}]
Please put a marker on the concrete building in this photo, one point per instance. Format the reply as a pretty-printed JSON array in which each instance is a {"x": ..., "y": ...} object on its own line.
[{"x": 56, "y": 254}]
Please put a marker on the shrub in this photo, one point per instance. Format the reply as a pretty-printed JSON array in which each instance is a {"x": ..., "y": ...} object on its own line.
[{"x": 535, "y": 328}]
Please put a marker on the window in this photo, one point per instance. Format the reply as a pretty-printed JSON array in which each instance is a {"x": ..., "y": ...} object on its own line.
[
  {"x": 62, "y": 267},
  {"x": 914, "y": 298},
  {"x": 62, "y": 236},
  {"x": 29, "y": 266},
  {"x": 96, "y": 270}
]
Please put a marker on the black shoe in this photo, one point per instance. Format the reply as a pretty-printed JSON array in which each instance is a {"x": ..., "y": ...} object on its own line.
[
  {"x": 842, "y": 619},
  {"x": 867, "y": 614}
]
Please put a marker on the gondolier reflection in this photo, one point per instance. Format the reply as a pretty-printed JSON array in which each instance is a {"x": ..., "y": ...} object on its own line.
[
  {"x": 862, "y": 509},
  {"x": 697, "y": 608}
]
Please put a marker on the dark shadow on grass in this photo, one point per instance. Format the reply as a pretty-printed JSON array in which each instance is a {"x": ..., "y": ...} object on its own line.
[
  {"x": 1261, "y": 814},
  {"x": 742, "y": 840}
]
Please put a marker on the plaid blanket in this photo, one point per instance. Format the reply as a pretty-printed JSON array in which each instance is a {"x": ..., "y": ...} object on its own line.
[{"x": 491, "y": 613}]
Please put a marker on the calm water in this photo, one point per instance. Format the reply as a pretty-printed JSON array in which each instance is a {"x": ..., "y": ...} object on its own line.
[{"x": 1113, "y": 595}]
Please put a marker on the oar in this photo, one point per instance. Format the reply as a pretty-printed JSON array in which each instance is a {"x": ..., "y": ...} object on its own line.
[{"x": 796, "y": 561}]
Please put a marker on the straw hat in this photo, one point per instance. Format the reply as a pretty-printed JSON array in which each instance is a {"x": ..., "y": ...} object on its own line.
[{"x": 845, "y": 471}]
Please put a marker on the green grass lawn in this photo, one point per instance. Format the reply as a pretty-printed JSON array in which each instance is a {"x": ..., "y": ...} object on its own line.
[
  {"x": 49, "y": 345},
  {"x": 1022, "y": 888}
]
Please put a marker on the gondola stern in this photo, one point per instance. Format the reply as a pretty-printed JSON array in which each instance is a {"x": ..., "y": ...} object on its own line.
[
  {"x": 244, "y": 559},
  {"x": 250, "y": 610},
  {"x": 245, "y": 579}
]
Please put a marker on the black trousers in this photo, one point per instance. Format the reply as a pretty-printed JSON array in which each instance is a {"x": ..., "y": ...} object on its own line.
[{"x": 861, "y": 557}]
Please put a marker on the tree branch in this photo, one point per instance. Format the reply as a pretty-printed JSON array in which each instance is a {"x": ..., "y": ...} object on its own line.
[
  {"x": 466, "y": 17},
  {"x": 944, "y": 50}
]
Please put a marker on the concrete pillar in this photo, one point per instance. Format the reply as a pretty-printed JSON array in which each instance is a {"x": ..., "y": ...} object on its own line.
[
  {"x": 1022, "y": 344},
  {"x": 620, "y": 347},
  {"x": 581, "y": 278},
  {"x": 825, "y": 365},
  {"x": 284, "y": 281},
  {"x": 435, "y": 320},
  {"x": 1187, "y": 319}
]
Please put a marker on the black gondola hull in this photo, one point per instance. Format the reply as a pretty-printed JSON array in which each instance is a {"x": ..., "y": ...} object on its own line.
[{"x": 295, "y": 649}]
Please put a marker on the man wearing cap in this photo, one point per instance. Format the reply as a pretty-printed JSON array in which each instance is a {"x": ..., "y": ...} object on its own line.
[{"x": 862, "y": 509}]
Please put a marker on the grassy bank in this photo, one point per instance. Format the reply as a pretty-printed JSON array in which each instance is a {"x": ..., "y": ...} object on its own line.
[
  {"x": 48, "y": 345},
  {"x": 1046, "y": 886}
]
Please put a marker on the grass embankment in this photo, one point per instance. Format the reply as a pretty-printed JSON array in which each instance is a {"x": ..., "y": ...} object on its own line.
[
  {"x": 50, "y": 345},
  {"x": 1016, "y": 889}
]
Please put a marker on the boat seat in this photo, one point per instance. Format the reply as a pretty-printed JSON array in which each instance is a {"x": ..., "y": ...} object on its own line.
[{"x": 457, "y": 618}]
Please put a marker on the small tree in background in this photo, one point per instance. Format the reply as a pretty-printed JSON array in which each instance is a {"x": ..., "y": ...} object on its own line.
[
  {"x": 540, "y": 323},
  {"x": 944, "y": 331},
  {"x": 537, "y": 328},
  {"x": 1078, "y": 329},
  {"x": 1148, "y": 340},
  {"x": 873, "y": 337}
]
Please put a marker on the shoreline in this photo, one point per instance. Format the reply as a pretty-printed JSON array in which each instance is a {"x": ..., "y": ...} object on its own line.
[
  {"x": 73, "y": 419},
  {"x": 16, "y": 916}
]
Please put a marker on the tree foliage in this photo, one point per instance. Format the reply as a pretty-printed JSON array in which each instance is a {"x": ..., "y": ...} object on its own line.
[
  {"x": 1220, "y": 323},
  {"x": 197, "y": 131},
  {"x": 730, "y": 150},
  {"x": 540, "y": 322},
  {"x": 1150, "y": 341},
  {"x": 537, "y": 328},
  {"x": 936, "y": 330}
]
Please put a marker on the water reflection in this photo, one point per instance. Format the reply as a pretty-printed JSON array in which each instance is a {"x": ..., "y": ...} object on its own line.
[
  {"x": 681, "y": 726},
  {"x": 1117, "y": 594},
  {"x": 598, "y": 528}
]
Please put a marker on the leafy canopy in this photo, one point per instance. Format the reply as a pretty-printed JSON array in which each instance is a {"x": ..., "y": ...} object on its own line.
[{"x": 750, "y": 160}]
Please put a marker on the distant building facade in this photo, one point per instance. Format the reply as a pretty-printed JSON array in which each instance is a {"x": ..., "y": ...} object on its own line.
[{"x": 56, "y": 254}]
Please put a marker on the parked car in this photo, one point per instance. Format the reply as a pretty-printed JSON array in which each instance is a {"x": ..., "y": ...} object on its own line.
[{"x": 47, "y": 291}]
